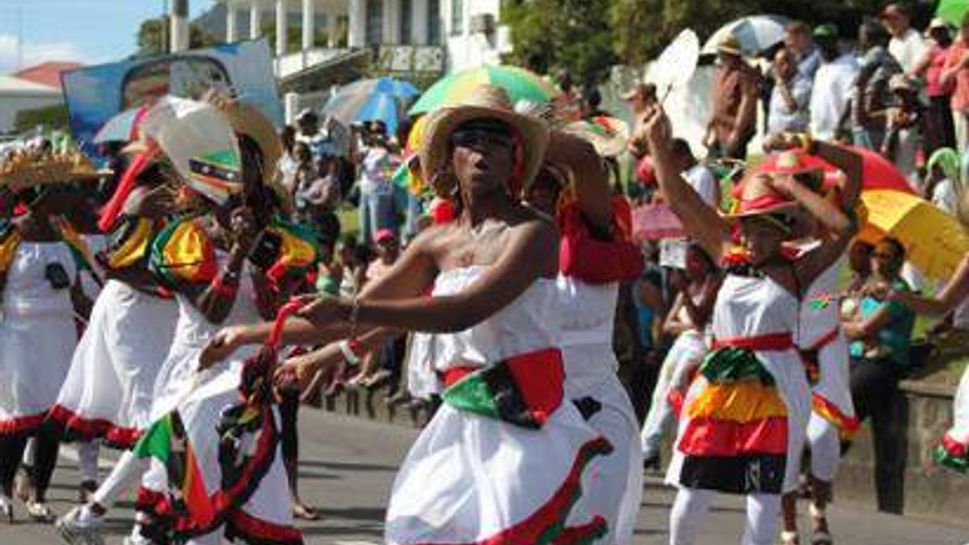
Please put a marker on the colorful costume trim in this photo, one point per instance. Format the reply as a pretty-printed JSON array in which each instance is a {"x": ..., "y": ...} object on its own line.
[
  {"x": 78, "y": 428},
  {"x": 185, "y": 510},
  {"x": 183, "y": 253},
  {"x": 592, "y": 260},
  {"x": 737, "y": 430},
  {"x": 299, "y": 250},
  {"x": 21, "y": 424},
  {"x": 952, "y": 454},
  {"x": 546, "y": 526},
  {"x": 523, "y": 390}
]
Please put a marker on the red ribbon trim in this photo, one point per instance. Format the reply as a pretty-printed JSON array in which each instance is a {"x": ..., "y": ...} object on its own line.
[{"x": 764, "y": 343}]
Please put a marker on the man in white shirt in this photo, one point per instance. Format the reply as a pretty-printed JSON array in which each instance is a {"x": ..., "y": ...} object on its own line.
[
  {"x": 788, "y": 107},
  {"x": 797, "y": 38},
  {"x": 833, "y": 85},
  {"x": 907, "y": 45},
  {"x": 700, "y": 178}
]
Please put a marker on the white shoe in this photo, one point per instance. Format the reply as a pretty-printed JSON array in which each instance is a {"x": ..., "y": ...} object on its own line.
[
  {"x": 77, "y": 529},
  {"x": 135, "y": 537},
  {"x": 6, "y": 509}
]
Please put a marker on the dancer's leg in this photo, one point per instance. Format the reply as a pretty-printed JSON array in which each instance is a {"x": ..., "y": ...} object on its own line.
[
  {"x": 123, "y": 476},
  {"x": 686, "y": 516},
  {"x": 87, "y": 453},
  {"x": 825, "y": 448},
  {"x": 762, "y": 514},
  {"x": 11, "y": 454}
]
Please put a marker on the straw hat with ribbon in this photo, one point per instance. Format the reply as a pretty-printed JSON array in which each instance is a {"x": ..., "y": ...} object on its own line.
[
  {"x": 486, "y": 102},
  {"x": 730, "y": 46},
  {"x": 249, "y": 120},
  {"x": 25, "y": 169}
]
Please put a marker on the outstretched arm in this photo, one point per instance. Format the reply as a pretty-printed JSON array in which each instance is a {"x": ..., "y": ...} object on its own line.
[
  {"x": 951, "y": 296},
  {"x": 700, "y": 221}
]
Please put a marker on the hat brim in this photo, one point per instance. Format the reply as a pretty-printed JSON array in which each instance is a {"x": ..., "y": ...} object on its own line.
[
  {"x": 435, "y": 149},
  {"x": 248, "y": 120},
  {"x": 780, "y": 208},
  {"x": 726, "y": 50}
]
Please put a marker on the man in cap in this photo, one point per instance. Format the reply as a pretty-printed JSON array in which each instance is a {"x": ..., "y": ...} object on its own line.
[
  {"x": 734, "y": 103},
  {"x": 833, "y": 85},
  {"x": 906, "y": 45}
]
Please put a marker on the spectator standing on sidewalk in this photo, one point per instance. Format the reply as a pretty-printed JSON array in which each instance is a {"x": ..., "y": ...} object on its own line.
[
  {"x": 797, "y": 38},
  {"x": 734, "y": 103},
  {"x": 939, "y": 129},
  {"x": 833, "y": 86},
  {"x": 956, "y": 72},
  {"x": 907, "y": 44}
]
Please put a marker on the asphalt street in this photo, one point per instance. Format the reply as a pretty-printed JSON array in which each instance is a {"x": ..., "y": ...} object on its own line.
[{"x": 348, "y": 465}]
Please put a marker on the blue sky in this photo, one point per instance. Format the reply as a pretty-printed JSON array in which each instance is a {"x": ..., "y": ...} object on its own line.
[{"x": 88, "y": 31}]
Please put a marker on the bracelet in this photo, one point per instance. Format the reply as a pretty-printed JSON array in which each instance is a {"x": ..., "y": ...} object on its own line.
[{"x": 347, "y": 348}]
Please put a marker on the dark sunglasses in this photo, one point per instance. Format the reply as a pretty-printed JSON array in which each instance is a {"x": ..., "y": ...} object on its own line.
[
  {"x": 481, "y": 136},
  {"x": 883, "y": 255}
]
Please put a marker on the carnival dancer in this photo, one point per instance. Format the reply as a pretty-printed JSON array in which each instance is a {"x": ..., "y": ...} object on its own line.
[
  {"x": 744, "y": 417},
  {"x": 595, "y": 255},
  {"x": 819, "y": 338},
  {"x": 689, "y": 320},
  {"x": 108, "y": 392},
  {"x": 40, "y": 257},
  {"x": 225, "y": 245},
  {"x": 502, "y": 459}
]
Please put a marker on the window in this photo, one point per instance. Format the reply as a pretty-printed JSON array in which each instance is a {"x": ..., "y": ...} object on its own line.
[
  {"x": 457, "y": 17},
  {"x": 434, "y": 22},
  {"x": 375, "y": 22},
  {"x": 406, "y": 21}
]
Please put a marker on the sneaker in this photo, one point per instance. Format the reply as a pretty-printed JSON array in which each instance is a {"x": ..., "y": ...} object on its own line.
[
  {"x": 40, "y": 512},
  {"x": 135, "y": 537},
  {"x": 80, "y": 527}
]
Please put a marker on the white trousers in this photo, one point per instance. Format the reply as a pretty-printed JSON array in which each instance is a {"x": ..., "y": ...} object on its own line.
[
  {"x": 825, "y": 448},
  {"x": 691, "y": 506}
]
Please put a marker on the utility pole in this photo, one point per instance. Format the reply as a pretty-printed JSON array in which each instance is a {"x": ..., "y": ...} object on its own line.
[{"x": 179, "y": 26}]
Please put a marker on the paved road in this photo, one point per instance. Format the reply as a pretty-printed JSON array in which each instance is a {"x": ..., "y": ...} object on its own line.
[{"x": 348, "y": 467}]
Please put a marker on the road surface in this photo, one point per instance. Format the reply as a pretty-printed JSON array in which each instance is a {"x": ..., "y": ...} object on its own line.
[{"x": 348, "y": 467}]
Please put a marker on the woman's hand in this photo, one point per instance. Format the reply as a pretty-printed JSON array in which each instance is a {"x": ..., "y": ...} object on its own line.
[
  {"x": 222, "y": 345},
  {"x": 297, "y": 372},
  {"x": 244, "y": 229},
  {"x": 322, "y": 311},
  {"x": 656, "y": 128}
]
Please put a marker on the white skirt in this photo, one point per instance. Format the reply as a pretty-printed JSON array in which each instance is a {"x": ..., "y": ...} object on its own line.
[
  {"x": 267, "y": 515},
  {"x": 35, "y": 355},
  {"x": 831, "y": 396},
  {"x": 470, "y": 478},
  {"x": 108, "y": 392},
  {"x": 613, "y": 484}
]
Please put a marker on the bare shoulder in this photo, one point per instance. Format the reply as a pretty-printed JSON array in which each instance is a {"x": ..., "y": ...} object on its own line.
[{"x": 533, "y": 223}]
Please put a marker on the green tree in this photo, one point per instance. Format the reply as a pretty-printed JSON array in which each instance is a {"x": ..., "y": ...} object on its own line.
[
  {"x": 48, "y": 117},
  {"x": 571, "y": 34},
  {"x": 641, "y": 28},
  {"x": 153, "y": 37}
]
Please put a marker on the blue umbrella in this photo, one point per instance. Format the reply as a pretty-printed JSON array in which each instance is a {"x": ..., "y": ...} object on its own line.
[
  {"x": 372, "y": 100},
  {"x": 381, "y": 107}
]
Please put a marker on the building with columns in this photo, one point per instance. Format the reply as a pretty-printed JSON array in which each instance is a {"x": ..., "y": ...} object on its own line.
[{"x": 405, "y": 35}]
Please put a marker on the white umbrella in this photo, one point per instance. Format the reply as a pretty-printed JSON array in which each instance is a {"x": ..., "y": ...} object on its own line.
[
  {"x": 756, "y": 33},
  {"x": 676, "y": 64}
]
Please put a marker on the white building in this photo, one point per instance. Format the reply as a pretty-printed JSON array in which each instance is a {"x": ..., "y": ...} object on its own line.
[
  {"x": 406, "y": 35},
  {"x": 18, "y": 95}
]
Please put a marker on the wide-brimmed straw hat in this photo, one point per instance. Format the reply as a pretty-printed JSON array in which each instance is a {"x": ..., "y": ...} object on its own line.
[
  {"x": 792, "y": 162},
  {"x": 485, "y": 102},
  {"x": 246, "y": 119},
  {"x": 24, "y": 169},
  {"x": 759, "y": 198},
  {"x": 608, "y": 135},
  {"x": 730, "y": 46}
]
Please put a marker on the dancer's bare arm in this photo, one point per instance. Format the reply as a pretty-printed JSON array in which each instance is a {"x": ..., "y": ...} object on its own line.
[{"x": 700, "y": 221}]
